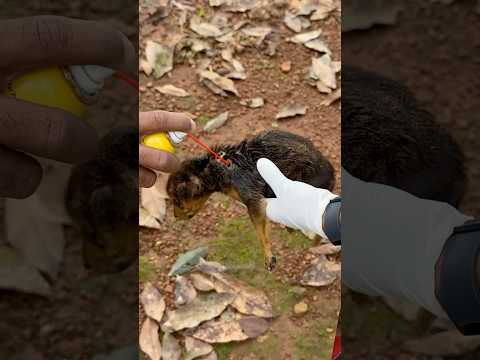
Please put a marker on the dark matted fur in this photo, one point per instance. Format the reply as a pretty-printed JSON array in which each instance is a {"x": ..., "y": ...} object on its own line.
[
  {"x": 294, "y": 155},
  {"x": 387, "y": 138}
]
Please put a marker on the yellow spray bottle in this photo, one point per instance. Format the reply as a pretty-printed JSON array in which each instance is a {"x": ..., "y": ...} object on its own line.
[
  {"x": 165, "y": 141},
  {"x": 69, "y": 88}
]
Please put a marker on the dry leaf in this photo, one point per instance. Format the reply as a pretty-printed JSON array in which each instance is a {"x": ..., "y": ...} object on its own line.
[
  {"x": 149, "y": 339},
  {"x": 242, "y": 5},
  {"x": 145, "y": 67},
  {"x": 257, "y": 31},
  {"x": 296, "y": 23},
  {"x": 171, "y": 349},
  {"x": 325, "y": 249},
  {"x": 16, "y": 274},
  {"x": 202, "y": 308},
  {"x": 153, "y": 199},
  {"x": 225, "y": 330},
  {"x": 322, "y": 70},
  {"x": 237, "y": 69},
  {"x": 184, "y": 291},
  {"x": 172, "y": 90},
  {"x": 159, "y": 58},
  {"x": 153, "y": 302},
  {"x": 336, "y": 95},
  {"x": 220, "y": 81},
  {"x": 196, "y": 348},
  {"x": 318, "y": 45},
  {"x": 203, "y": 28},
  {"x": 291, "y": 110},
  {"x": 216, "y": 122},
  {"x": 248, "y": 300},
  {"x": 305, "y": 37},
  {"x": 215, "y": 3},
  {"x": 321, "y": 272},
  {"x": 201, "y": 282},
  {"x": 209, "y": 266},
  {"x": 146, "y": 220},
  {"x": 255, "y": 103}
]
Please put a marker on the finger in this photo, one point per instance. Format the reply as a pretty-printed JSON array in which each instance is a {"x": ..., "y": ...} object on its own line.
[
  {"x": 54, "y": 40},
  {"x": 45, "y": 131},
  {"x": 272, "y": 175},
  {"x": 155, "y": 121},
  {"x": 20, "y": 174},
  {"x": 158, "y": 160},
  {"x": 147, "y": 178}
]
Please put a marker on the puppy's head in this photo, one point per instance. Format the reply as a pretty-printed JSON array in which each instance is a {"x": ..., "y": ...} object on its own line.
[{"x": 190, "y": 187}]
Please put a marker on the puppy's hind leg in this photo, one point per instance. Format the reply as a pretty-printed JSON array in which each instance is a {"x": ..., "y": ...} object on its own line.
[{"x": 259, "y": 219}]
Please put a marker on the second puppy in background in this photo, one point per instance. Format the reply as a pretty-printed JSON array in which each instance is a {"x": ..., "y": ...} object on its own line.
[{"x": 198, "y": 178}]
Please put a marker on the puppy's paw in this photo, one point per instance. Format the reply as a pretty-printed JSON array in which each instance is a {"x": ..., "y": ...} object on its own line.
[{"x": 271, "y": 263}]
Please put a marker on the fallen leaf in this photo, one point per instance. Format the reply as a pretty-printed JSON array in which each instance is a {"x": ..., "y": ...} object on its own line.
[
  {"x": 146, "y": 67},
  {"x": 323, "y": 11},
  {"x": 186, "y": 261},
  {"x": 171, "y": 349},
  {"x": 220, "y": 81},
  {"x": 241, "y": 5},
  {"x": 291, "y": 110},
  {"x": 248, "y": 300},
  {"x": 159, "y": 58},
  {"x": 172, "y": 90},
  {"x": 209, "y": 266},
  {"x": 325, "y": 249},
  {"x": 202, "y": 308},
  {"x": 253, "y": 326},
  {"x": 255, "y": 103},
  {"x": 149, "y": 340},
  {"x": 322, "y": 69},
  {"x": 227, "y": 330},
  {"x": 257, "y": 31},
  {"x": 201, "y": 282},
  {"x": 305, "y": 37},
  {"x": 152, "y": 301},
  {"x": 216, "y": 122},
  {"x": 196, "y": 348},
  {"x": 203, "y": 28},
  {"x": 184, "y": 291},
  {"x": 321, "y": 272},
  {"x": 159, "y": 8},
  {"x": 17, "y": 274},
  {"x": 153, "y": 199},
  {"x": 215, "y": 3},
  {"x": 296, "y": 23},
  {"x": 300, "y": 308},
  {"x": 237, "y": 69},
  {"x": 336, "y": 95},
  {"x": 318, "y": 45},
  {"x": 146, "y": 220}
]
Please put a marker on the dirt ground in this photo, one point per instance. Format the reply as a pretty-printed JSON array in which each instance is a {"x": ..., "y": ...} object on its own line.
[
  {"x": 223, "y": 224},
  {"x": 432, "y": 50}
]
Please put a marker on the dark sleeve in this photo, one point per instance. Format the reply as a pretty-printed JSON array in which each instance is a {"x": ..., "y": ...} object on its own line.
[
  {"x": 457, "y": 278},
  {"x": 331, "y": 222}
]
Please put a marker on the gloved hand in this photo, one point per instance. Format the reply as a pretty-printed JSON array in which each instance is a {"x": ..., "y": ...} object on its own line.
[
  {"x": 297, "y": 205},
  {"x": 391, "y": 241}
]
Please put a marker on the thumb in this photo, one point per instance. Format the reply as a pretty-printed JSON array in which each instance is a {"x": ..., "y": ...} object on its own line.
[{"x": 272, "y": 175}]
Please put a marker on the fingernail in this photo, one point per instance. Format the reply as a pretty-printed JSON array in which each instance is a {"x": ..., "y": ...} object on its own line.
[{"x": 194, "y": 126}]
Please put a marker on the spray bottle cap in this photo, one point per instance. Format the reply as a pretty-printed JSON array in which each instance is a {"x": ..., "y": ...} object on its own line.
[
  {"x": 176, "y": 136},
  {"x": 89, "y": 78}
]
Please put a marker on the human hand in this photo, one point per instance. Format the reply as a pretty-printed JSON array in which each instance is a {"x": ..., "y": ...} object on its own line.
[
  {"x": 27, "y": 128},
  {"x": 297, "y": 205},
  {"x": 152, "y": 159}
]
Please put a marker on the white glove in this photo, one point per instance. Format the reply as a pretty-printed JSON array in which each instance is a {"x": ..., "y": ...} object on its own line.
[
  {"x": 297, "y": 205},
  {"x": 391, "y": 241}
]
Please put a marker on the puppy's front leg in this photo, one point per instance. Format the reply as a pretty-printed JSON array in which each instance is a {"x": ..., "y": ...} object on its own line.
[{"x": 258, "y": 216}]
